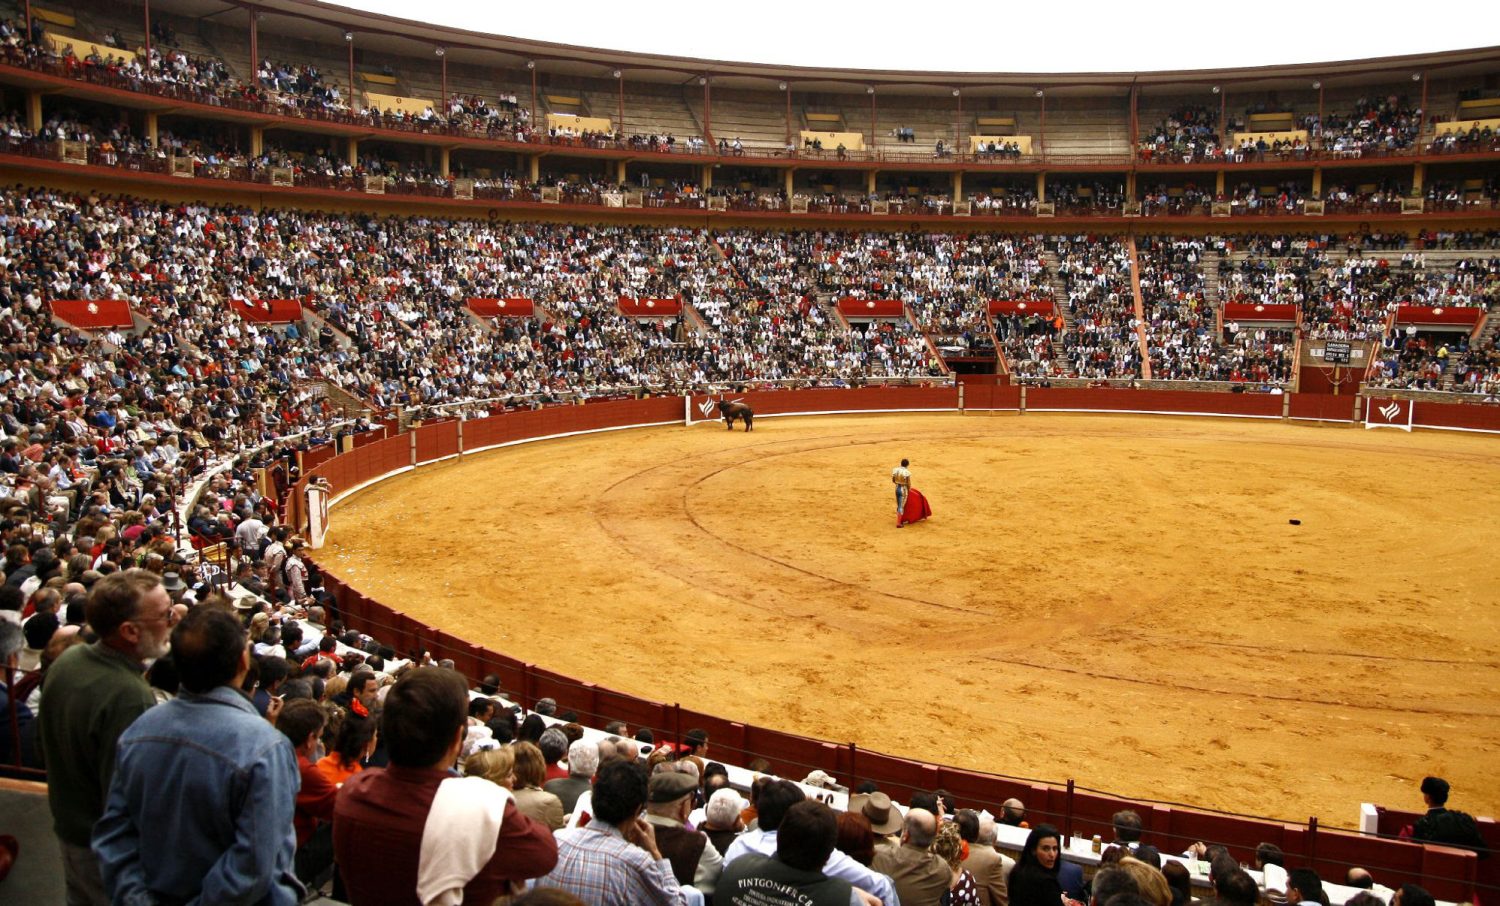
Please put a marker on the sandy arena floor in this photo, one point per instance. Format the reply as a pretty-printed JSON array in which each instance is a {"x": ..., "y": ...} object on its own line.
[{"x": 1119, "y": 600}]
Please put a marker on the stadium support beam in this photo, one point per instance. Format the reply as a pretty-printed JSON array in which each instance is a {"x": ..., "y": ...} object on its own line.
[
  {"x": 708, "y": 177},
  {"x": 34, "y": 110},
  {"x": 1041, "y": 187},
  {"x": 1130, "y": 185},
  {"x": 445, "y": 160},
  {"x": 354, "y": 152},
  {"x": 1317, "y": 182},
  {"x": 958, "y": 186},
  {"x": 789, "y": 172},
  {"x": 153, "y": 122},
  {"x": 257, "y": 140},
  {"x": 870, "y": 182},
  {"x": 255, "y": 50},
  {"x": 620, "y": 172},
  {"x": 1219, "y": 183},
  {"x": 536, "y": 167},
  {"x": 1418, "y": 171}
]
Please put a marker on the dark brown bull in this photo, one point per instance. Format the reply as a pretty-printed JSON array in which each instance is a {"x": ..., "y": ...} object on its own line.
[{"x": 734, "y": 410}]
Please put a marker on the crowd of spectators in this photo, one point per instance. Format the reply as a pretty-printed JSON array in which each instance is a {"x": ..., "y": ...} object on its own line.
[
  {"x": 1390, "y": 123},
  {"x": 1103, "y": 340},
  {"x": 1184, "y": 337},
  {"x": 1188, "y": 134}
]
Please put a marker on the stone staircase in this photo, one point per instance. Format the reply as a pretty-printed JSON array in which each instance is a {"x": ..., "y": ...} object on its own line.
[
  {"x": 1059, "y": 288},
  {"x": 1487, "y": 333}
]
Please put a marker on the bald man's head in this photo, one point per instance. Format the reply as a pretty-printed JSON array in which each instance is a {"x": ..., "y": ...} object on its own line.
[{"x": 921, "y": 827}]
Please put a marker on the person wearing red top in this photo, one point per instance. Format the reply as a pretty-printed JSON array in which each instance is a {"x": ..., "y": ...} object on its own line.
[
  {"x": 416, "y": 831},
  {"x": 302, "y": 722}
]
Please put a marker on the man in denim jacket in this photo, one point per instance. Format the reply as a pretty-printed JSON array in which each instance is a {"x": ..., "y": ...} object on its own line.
[{"x": 200, "y": 807}]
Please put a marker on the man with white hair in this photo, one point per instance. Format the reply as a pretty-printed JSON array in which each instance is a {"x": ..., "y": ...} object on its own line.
[
  {"x": 989, "y": 866},
  {"x": 721, "y": 818},
  {"x": 583, "y": 761}
]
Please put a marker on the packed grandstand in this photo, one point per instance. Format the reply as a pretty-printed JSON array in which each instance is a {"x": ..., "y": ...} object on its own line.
[{"x": 227, "y": 248}]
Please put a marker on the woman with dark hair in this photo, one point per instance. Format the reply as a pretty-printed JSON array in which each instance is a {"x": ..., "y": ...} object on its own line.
[
  {"x": 856, "y": 840},
  {"x": 354, "y": 742},
  {"x": 1180, "y": 882},
  {"x": 532, "y": 729},
  {"x": 1033, "y": 882}
]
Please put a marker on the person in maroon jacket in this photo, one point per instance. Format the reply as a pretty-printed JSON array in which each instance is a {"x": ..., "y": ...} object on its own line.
[{"x": 416, "y": 832}]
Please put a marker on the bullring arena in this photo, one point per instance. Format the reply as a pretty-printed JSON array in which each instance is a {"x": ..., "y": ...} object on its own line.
[
  {"x": 1117, "y": 599},
  {"x": 390, "y": 351}
]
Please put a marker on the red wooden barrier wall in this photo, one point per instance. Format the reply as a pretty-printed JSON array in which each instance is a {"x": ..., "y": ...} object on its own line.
[{"x": 1449, "y": 874}]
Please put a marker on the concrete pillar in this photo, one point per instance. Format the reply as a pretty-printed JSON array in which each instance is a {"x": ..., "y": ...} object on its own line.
[
  {"x": 353, "y": 152},
  {"x": 1317, "y": 182},
  {"x": 788, "y": 183},
  {"x": 706, "y": 181},
  {"x": 620, "y": 172},
  {"x": 1219, "y": 183},
  {"x": 34, "y": 111},
  {"x": 1418, "y": 172},
  {"x": 958, "y": 186},
  {"x": 445, "y": 159},
  {"x": 1041, "y": 187},
  {"x": 152, "y": 130},
  {"x": 536, "y": 168},
  {"x": 257, "y": 140},
  {"x": 1130, "y": 186},
  {"x": 870, "y": 182}
]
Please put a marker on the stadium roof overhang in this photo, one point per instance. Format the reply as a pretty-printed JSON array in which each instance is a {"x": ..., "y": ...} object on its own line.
[{"x": 374, "y": 32}]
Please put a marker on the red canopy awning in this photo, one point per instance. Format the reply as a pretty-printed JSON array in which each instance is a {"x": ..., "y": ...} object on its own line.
[
  {"x": 1022, "y": 307},
  {"x": 268, "y": 311},
  {"x": 1252, "y": 312},
  {"x": 871, "y": 308},
  {"x": 1456, "y": 316},
  {"x": 502, "y": 308},
  {"x": 93, "y": 314},
  {"x": 650, "y": 308}
]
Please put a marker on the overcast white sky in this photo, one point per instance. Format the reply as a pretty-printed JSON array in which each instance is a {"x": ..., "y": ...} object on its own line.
[{"x": 992, "y": 36}]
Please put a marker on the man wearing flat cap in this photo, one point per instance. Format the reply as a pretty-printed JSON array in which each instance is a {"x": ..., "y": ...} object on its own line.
[{"x": 695, "y": 860}]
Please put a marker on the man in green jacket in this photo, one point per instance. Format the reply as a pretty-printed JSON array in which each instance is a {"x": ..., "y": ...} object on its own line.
[{"x": 92, "y": 694}]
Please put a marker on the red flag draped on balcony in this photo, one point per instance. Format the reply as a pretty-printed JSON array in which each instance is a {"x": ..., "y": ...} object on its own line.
[
  {"x": 93, "y": 314},
  {"x": 502, "y": 308},
  {"x": 1022, "y": 307},
  {"x": 650, "y": 308},
  {"x": 1251, "y": 312},
  {"x": 267, "y": 311},
  {"x": 1458, "y": 316},
  {"x": 871, "y": 308}
]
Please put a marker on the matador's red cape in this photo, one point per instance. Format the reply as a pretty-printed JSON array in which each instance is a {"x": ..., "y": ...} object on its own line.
[{"x": 916, "y": 509}]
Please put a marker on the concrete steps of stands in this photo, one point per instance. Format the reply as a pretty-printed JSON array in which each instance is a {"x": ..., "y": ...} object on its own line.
[
  {"x": 1059, "y": 288},
  {"x": 1210, "y": 265}
]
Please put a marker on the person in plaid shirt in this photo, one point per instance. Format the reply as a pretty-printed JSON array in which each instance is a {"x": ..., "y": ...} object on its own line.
[{"x": 614, "y": 860}]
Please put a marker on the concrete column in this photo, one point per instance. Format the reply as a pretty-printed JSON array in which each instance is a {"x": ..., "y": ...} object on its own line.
[
  {"x": 1130, "y": 186},
  {"x": 1317, "y": 182},
  {"x": 1041, "y": 187},
  {"x": 257, "y": 140},
  {"x": 536, "y": 168},
  {"x": 34, "y": 111},
  {"x": 444, "y": 160},
  {"x": 870, "y": 182},
  {"x": 788, "y": 184},
  {"x": 1219, "y": 183},
  {"x": 958, "y": 186},
  {"x": 353, "y": 152},
  {"x": 620, "y": 172},
  {"x": 1418, "y": 173},
  {"x": 152, "y": 123},
  {"x": 706, "y": 181}
]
